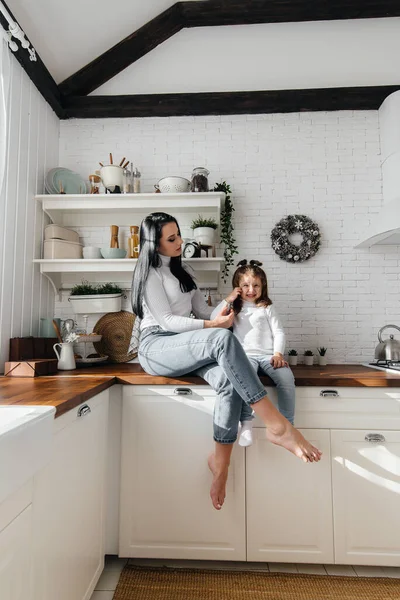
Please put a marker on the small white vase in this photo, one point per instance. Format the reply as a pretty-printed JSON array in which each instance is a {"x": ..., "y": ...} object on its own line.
[
  {"x": 292, "y": 360},
  {"x": 204, "y": 235},
  {"x": 309, "y": 360},
  {"x": 322, "y": 361}
]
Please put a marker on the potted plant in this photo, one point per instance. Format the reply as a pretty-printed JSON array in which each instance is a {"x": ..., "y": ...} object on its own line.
[
  {"x": 204, "y": 230},
  {"x": 226, "y": 229},
  {"x": 99, "y": 298},
  {"x": 308, "y": 357},
  {"x": 322, "y": 356},
  {"x": 292, "y": 357}
]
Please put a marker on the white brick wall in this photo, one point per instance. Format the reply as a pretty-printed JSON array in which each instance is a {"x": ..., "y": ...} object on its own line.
[{"x": 324, "y": 165}]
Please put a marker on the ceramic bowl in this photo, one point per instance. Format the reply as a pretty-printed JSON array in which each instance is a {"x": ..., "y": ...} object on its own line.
[
  {"x": 91, "y": 252},
  {"x": 113, "y": 252},
  {"x": 111, "y": 176}
]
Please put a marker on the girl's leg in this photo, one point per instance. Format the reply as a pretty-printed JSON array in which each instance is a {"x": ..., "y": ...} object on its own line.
[
  {"x": 285, "y": 387},
  {"x": 175, "y": 355}
]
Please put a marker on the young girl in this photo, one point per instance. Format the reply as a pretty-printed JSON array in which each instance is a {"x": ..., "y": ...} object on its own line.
[{"x": 258, "y": 328}]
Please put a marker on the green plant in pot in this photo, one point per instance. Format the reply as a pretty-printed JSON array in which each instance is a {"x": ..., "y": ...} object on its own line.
[
  {"x": 292, "y": 354},
  {"x": 322, "y": 360},
  {"x": 227, "y": 229},
  {"x": 204, "y": 230},
  {"x": 308, "y": 357},
  {"x": 87, "y": 298}
]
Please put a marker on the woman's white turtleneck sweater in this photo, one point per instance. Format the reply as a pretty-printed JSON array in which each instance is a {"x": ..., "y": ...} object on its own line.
[{"x": 164, "y": 303}]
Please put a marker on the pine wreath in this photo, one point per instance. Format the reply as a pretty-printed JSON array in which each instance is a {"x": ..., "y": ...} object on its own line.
[{"x": 296, "y": 224}]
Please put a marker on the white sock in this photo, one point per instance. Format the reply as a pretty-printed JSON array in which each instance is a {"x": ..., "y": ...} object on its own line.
[{"x": 246, "y": 433}]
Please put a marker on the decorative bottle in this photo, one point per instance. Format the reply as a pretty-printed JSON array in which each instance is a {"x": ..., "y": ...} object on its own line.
[{"x": 133, "y": 242}]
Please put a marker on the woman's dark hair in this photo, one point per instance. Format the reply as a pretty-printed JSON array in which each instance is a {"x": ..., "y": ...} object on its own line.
[
  {"x": 252, "y": 268},
  {"x": 150, "y": 235}
]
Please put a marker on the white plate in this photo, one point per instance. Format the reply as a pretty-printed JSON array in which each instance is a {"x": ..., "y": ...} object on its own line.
[{"x": 88, "y": 361}]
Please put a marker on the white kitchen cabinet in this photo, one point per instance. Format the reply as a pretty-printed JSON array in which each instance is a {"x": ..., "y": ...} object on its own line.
[
  {"x": 69, "y": 506},
  {"x": 165, "y": 510},
  {"x": 16, "y": 545},
  {"x": 288, "y": 502},
  {"x": 366, "y": 496}
]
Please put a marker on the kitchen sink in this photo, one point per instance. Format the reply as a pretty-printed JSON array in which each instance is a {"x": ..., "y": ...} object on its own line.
[{"x": 26, "y": 434}]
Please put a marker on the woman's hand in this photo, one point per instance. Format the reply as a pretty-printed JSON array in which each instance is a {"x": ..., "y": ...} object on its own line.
[
  {"x": 233, "y": 295},
  {"x": 224, "y": 319},
  {"x": 278, "y": 361}
]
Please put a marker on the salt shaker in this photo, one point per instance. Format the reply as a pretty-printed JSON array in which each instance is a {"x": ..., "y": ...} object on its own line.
[
  {"x": 136, "y": 181},
  {"x": 126, "y": 179}
]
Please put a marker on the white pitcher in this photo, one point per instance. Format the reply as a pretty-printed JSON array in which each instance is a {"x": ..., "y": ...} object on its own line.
[{"x": 66, "y": 359}]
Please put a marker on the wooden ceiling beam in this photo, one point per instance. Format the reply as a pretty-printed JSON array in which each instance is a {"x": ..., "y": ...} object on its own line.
[
  {"x": 228, "y": 103},
  {"x": 36, "y": 70},
  {"x": 249, "y": 12},
  {"x": 120, "y": 56}
]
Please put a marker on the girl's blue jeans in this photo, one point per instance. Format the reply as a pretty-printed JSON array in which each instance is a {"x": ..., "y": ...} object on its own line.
[
  {"x": 215, "y": 355},
  {"x": 285, "y": 387}
]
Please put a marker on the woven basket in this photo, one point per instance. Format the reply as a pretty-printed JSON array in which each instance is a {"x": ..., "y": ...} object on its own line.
[{"x": 116, "y": 331}]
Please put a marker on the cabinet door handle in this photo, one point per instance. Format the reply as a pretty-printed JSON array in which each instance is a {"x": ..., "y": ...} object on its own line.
[
  {"x": 329, "y": 393},
  {"x": 84, "y": 410},
  {"x": 183, "y": 391},
  {"x": 375, "y": 438}
]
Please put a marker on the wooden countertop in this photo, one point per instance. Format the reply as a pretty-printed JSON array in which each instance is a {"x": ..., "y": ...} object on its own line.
[{"x": 68, "y": 389}]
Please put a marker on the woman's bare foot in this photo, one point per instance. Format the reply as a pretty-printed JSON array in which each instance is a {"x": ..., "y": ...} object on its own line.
[
  {"x": 217, "y": 491},
  {"x": 291, "y": 439}
]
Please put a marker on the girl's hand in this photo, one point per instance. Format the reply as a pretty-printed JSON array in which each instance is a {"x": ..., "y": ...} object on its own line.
[
  {"x": 278, "y": 361},
  {"x": 233, "y": 295}
]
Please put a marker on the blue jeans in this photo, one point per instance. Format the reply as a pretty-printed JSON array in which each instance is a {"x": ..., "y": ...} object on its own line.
[
  {"x": 285, "y": 387},
  {"x": 214, "y": 354}
]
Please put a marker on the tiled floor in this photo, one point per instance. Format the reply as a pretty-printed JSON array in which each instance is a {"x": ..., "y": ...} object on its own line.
[{"x": 108, "y": 581}]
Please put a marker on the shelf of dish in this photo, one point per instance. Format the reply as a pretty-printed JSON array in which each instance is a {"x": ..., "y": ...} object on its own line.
[
  {"x": 96, "y": 209},
  {"x": 61, "y": 270}
]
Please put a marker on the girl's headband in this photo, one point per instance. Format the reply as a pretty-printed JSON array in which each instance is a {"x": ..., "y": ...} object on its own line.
[{"x": 252, "y": 263}]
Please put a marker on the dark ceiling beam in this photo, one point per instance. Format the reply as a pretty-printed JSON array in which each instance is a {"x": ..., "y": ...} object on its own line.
[
  {"x": 36, "y": 71},
  {"x": 228, "y": 103},
  {"x": 120, "y": 56},
  {"x": 235, "y": 12}
]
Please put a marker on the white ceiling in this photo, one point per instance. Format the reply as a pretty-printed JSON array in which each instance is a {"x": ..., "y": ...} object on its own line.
[
  {"x": 69, "y": 34},
  {"x": 272, "y": 56}
]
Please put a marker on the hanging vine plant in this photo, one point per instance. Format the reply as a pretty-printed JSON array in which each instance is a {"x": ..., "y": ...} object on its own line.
[
  {"x": 226, "y": 229},
  {"x": 287, "y": 227}
]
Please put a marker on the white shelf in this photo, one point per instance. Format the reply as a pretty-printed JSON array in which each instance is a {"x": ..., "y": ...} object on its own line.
[
  {"x": 67, "y": 270},
  {"x": 97, "y": 209},
  {"x": 83, "y": 210}
]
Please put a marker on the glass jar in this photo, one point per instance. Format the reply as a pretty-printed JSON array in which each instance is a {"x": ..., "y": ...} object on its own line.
[
  {"x": 126, "y": 185},
  {"x": 199, "y": 180}
]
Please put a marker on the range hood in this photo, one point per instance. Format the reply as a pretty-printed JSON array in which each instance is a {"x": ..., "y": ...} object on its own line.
[{"x": 385, "y": 229}]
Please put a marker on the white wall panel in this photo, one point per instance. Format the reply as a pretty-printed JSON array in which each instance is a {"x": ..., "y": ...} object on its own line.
[{"x": 32, "y": 149}]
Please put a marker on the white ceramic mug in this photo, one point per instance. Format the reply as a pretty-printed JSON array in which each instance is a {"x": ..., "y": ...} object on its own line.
[
  {"x": 66, "y": 358},
  {"x": 91, "y": 252}
]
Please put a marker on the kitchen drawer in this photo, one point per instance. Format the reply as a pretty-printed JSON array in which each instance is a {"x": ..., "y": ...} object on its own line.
[{"x": 316, "y": 407}]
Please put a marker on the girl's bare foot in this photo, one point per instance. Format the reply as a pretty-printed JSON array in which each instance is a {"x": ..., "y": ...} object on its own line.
[
  {"x": 217, "y": 491},
  {"x": 291, "y": 439}
]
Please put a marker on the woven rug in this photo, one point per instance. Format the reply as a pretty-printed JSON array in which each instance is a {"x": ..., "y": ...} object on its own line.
[{"x": 150, "y": 583}]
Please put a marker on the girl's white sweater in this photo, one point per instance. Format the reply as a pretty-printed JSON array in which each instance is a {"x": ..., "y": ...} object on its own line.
[{"x": 258, "y": 329}]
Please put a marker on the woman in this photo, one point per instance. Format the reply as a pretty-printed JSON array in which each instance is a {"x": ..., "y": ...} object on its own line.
[{"x": 172, "y": 344}]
